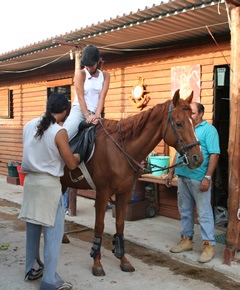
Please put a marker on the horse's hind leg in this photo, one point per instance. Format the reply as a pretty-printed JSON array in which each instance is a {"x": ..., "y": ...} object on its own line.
[
  {"x": 100, "y": 210},
  {"x": 118, "y": 241}
]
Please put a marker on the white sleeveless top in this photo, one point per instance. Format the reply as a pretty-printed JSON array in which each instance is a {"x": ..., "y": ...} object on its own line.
[
  {"x": 41, "y": 155},
  {"x": 92, "y": 89}
]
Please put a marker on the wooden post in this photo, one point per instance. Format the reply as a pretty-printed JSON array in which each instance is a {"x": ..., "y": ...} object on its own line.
[
  {"x": 72, "y": 201},
  {"x": 78, "y": 52},
  {"x": 233, "y": 230}
]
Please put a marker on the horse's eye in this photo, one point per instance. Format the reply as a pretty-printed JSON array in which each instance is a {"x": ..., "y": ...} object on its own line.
[{"x": 179, "y": 125}]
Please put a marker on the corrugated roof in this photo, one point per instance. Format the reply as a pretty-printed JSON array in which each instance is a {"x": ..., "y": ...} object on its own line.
[{"x": 157, "y": 26}]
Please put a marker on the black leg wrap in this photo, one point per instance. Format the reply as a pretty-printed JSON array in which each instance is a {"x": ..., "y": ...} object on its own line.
[
  {"x": 118, "y": 242},
  {"x": 96, "y": 248}
]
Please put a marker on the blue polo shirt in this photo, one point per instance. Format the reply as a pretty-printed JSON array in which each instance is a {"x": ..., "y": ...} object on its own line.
[{"x": 209, "y": 140}]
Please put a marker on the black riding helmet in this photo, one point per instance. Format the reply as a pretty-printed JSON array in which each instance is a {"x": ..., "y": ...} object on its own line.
[{"x": 90, "y": 56}]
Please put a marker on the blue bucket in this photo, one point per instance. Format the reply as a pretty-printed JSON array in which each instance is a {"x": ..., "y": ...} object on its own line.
[{"x": 161, "y": 161}]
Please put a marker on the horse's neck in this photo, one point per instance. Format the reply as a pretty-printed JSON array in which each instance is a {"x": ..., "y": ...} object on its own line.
[{"x": 151, "y": 130}]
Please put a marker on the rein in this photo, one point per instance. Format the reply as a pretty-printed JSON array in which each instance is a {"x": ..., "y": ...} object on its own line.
[
  {"x": 129, "y": 158},
  {"x": 123, "y": 150},
  {"x": 164, "y": 168}
]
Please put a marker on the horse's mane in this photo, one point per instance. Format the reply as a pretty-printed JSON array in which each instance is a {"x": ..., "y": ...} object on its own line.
[{"x": 133, "y": 125}]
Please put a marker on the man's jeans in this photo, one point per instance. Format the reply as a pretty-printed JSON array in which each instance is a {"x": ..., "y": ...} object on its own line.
[
  {"x": 52, "y": 243},
  {"x": 189, "y": 193}
]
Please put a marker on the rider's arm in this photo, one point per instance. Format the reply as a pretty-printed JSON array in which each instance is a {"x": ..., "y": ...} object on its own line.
[
  {"x": 79, "y": 80},
  {"x": 102, "y": 97},
  {"x": 103, "y": 94}
]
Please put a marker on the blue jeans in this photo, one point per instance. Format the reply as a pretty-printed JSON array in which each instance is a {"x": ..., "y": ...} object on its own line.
[
  {"x": 52, "y": 243},
  {"x": 66, "y": 199},
  {"x": 189, "y": 193}
]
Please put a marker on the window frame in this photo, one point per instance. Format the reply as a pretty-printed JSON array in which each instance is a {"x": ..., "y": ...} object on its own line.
[{"x": 6, "y": 104}]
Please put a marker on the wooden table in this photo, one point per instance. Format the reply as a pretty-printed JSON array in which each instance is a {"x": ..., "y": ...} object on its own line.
[{"x": 156, "y": 179}]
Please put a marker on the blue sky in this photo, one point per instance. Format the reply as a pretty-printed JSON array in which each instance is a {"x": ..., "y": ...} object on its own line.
[{"x": 27, "y": 21}]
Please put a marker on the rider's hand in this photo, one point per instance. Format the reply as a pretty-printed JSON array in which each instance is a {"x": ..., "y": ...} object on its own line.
[
  {"x": 95, "y": 120},
  {"x": 92, "y": 118}
]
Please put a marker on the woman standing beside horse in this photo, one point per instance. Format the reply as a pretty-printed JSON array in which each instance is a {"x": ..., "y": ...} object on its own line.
[
  {"x": 45, "y": 152},
  {"x": 91, "y": 86}
]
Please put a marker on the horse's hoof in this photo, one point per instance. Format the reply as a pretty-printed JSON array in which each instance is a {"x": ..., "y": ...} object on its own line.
[
  {"x": 127, "y": 267},
  {"x": 98, "y": 271}
]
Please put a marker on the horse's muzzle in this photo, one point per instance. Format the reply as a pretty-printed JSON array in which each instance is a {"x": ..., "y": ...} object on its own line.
[{"x": 194, "y": 161}]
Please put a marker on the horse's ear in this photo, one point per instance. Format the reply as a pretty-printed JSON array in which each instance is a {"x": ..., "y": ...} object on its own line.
[
  {"x": 176, "y": 98},
  {"x": 189, "y": 98}
]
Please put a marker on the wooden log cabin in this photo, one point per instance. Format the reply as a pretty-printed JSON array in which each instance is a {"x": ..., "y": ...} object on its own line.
[{"x": 148, "y": 44}]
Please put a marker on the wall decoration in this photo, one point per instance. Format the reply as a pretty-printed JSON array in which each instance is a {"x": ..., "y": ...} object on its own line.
[
  {"x": 187, "y": 79},
  {"x": 139, "y": 96}
]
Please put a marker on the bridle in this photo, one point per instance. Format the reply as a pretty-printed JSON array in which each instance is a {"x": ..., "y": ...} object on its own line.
[{"x": 183, "y": 149}]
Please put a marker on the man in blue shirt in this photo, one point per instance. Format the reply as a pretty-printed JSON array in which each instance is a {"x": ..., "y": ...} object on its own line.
[{"x": 194, "y": 187}]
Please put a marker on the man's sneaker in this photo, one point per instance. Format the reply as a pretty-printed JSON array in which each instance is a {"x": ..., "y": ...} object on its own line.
[
  {"x": 186, "y": 244},
  {"x": 34, "y": 274},
  {"x": 65, "y": 286}
]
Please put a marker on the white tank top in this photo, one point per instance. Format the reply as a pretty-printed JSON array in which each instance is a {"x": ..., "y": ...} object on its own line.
[
  {"x": 41, "y": 155},
  {"x": 92, "y": 89}
]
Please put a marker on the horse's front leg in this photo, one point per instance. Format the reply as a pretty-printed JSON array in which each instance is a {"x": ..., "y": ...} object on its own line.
[
  {"x": 100, "y": 210},
  {"x": 118, "y": 241}
]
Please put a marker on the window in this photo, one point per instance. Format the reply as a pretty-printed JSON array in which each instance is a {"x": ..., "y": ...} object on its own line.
[
  {"x": 221, "y": 76},
  {"x": 66, "y": 90},
  {"x": 6, "y": 104}
]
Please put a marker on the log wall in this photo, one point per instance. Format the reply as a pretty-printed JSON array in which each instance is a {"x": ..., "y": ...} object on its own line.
[{"x": 29, "y": 96}]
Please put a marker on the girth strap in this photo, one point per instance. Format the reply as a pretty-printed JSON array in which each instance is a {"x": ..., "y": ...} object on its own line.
[{"x": 86, "y": 174}]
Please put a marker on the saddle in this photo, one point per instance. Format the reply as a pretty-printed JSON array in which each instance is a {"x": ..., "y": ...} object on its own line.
[{"x": 83, "y": 141}]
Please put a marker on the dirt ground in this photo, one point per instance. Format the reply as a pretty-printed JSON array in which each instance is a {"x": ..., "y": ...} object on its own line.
[{"x": 148, "y": 257}]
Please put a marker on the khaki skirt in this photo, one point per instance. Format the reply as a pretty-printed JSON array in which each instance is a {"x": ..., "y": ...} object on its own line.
[{"x": 41, "y": 195}]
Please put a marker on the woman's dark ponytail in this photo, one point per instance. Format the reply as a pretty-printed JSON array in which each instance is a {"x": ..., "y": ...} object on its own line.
[{"x": 57, "y": 103}]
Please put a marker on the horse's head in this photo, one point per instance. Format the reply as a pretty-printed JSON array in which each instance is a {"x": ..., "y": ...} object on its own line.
[{"x": 179, "y": 131}]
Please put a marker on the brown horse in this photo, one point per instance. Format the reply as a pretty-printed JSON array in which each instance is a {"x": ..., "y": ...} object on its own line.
[{"x": 120, "y": 146}]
